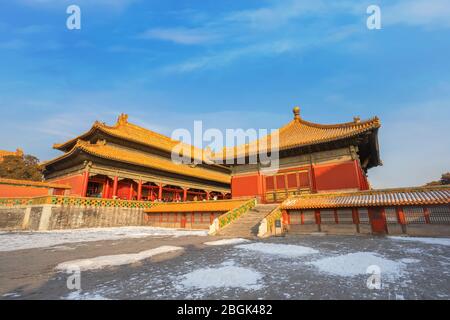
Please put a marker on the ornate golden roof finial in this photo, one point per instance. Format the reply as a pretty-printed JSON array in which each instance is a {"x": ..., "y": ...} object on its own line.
[
  {"x": 356, "y": 119},
  {"x": 296, "y": 112},
  {"x": 123, "y": 119}
]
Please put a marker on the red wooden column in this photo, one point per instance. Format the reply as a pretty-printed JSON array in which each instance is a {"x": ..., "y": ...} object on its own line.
[
  {"x": 285, "y": 217},
  {"x": 160, "y": 192},
  {"x": 355, "y": 215},
  {"x": 401, "y": 218},
  {"x": 139, "y": 191},
  {"x": 115, "y": 184},
  {"x": 106, "y": 191},
  {"x": 185, "y": 194},
  {"x": 336, "y": 219},
  {"x": 207, "y": 195},
  {"x": 130, "y": 191},
  {"x": 85, "y": 183},
  {"x": 313, "y": 184},
  {"x": 426, "y": 212}
]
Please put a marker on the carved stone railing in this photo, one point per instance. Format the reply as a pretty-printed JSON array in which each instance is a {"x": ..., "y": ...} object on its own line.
[
  {"x": 267, "y": 226},
  {"x": 230, "y": 216},
  {"x": 75, "y": 201}
]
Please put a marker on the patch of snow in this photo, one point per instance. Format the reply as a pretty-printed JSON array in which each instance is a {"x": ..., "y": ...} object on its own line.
[
  {"x": 441, "y": 241},
  {"x": 113, "y": 260},
  {"x": 11, "y": 241},
  {"x": 226, "y": 276},
  {"x": 353, "y": 264},
  {"x": 226, "y": 242},
  {"x": 409, "y": 260},
  {"x": 79, "y": 295},
  {"x": 288, "y": 250},
  {"x": 11, "y": 294}
]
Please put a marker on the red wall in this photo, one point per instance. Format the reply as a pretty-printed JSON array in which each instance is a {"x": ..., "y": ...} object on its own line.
[
  {"x": 12, "y": 191},
  {"x": 327, "y": 177},
  {"x": 246, "y": 186},
  {"x": 75, "y": 181},
  {"x": 337, "y": 176}
]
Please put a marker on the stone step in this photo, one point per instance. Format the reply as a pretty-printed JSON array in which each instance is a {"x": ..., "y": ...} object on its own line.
[{"x": 248, "y": 224}]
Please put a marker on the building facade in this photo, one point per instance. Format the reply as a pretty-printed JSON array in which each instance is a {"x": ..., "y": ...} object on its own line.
[
  {"x": 313, "y": 158},
  {"x": 126, "y": 161}
]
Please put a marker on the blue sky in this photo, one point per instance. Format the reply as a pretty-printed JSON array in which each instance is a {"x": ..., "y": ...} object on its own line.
[{"x": 232, "y": 64}]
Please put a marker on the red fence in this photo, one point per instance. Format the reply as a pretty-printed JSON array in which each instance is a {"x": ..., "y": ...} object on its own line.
[{"x": 414, "y": 220}]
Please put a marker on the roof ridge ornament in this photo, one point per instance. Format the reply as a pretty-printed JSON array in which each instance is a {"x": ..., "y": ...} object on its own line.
[
  {"x": 296, "y": 112},
  {"x": 122, "y": 119},
  {"x": 357, "y": 119}
]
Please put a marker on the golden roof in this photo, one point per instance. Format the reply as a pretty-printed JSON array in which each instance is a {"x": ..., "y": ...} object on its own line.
[
  {"x": 439, "y": 195},
  {"x": 197, "y": 206},
  {"x": 299, "y": 133},
  {"x": 4, "y": 153},
  {"x": 134, "y": 133},
  {"x": 33, "y": 183},
  {"x": 103, "y": 150}
]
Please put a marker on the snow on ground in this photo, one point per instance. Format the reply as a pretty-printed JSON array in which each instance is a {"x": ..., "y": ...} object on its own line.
[
  {"x": 288, "y": 250},
  {"x": 441, "y": 241},
  {"x": 225, "y": 242},
  {"x": 353, "y": 264},
  {"x": 225, "y": 276},
  {"x": 113, "y": 260},
  {"x": 79, "y": 295},
  {"x": 11, "y": 241}
]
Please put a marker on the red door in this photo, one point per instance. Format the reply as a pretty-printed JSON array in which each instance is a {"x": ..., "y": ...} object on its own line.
[
  {"x": 183, "y": 221},
  {"x": 378, "y": 220}
]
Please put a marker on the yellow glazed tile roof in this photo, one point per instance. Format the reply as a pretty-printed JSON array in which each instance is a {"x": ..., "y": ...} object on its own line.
[
  {"x": 299, "y": 132},
  {"x": 4, "y": 153},
  {"x": 18, "y": 182},
  {"x": 131, "y": 132},
  {"x": 197, "y": 206},
  {"x": 103, "y": 150},
  {"x": 439, "y": 195}
]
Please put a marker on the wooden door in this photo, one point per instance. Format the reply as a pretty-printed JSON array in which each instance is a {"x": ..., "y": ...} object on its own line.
[
  {"x": 378, "y": 220},
  {"x": 183, "y": 221}
]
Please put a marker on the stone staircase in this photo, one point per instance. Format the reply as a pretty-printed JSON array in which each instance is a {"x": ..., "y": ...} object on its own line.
[{"x": 247, "y": 225}]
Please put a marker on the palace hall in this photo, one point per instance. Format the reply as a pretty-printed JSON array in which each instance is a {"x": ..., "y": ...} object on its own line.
[{"x": 126, "y": 161}]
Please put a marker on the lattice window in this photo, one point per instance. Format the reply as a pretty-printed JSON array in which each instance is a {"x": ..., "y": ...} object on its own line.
[
  {"x": 304, "y": 179},
  {"x": 414, "y": 215},
  {"x": 197, "y": 217},
  {"x": 363, "y": 216},
  {"x": 327, "y": 217},
  {"x": 295, "y": 217},
  {"x": 173, "y": 217},
  {"x": 391, "y": 215},
  {"x": 345, "y": 216},
  {"x": 292, "y": 180},
  {"x": 309, "y": 217},
  {"x": 166, "y": 217},
  {"x": 269, "y": 183},
  {"x": 439, "y": 215},
  {"x": 281, "y": 183}
]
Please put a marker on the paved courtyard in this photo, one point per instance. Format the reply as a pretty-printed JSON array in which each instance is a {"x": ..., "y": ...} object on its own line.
[{"x": 149, "y": 263}]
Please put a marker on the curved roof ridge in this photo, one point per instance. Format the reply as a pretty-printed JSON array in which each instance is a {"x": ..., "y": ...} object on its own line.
[{"x": 334, "y": 125}]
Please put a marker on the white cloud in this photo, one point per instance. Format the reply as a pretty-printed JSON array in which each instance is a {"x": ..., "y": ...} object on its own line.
[
  {"x": 413, "y": 145},
  {"x": 424, "y": 13},
  {"x": 180, "y": 35},
  {"x": 115, "y": 5}
]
